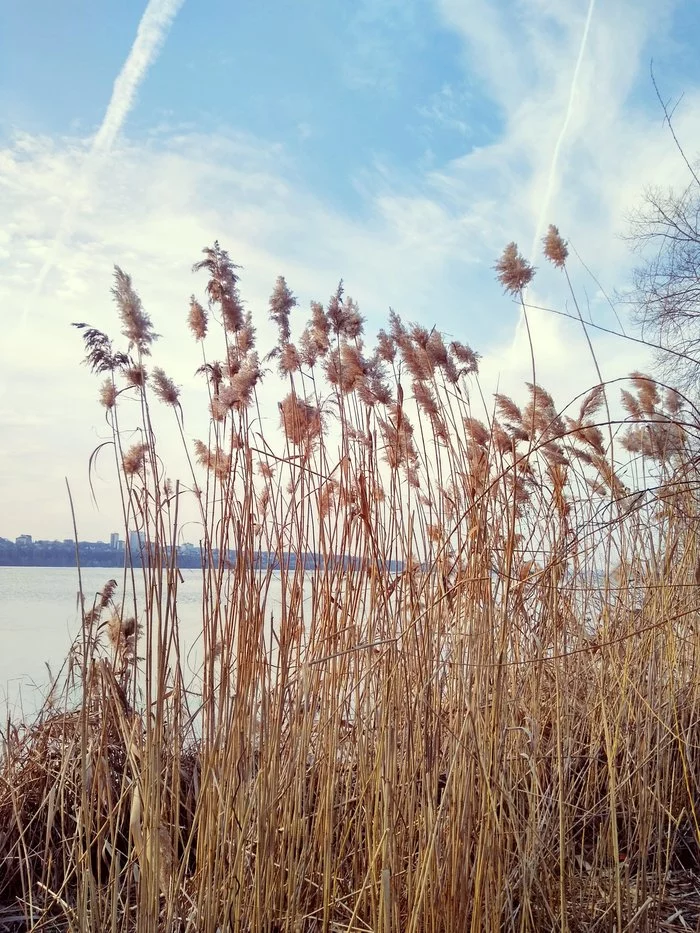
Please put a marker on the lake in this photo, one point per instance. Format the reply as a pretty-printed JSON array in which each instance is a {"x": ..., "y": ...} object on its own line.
[{"x": 40, "y": 619}]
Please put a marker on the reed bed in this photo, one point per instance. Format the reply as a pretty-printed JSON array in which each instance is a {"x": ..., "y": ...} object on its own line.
[{"x": 478, "y": 712}]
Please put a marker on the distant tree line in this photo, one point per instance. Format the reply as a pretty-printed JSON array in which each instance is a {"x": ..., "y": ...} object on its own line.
[
  {"x": 91, "y": 553},
  {"x": 99, "y": 554}
]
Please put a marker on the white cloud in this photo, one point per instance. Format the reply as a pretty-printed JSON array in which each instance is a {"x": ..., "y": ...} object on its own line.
[
  {"x": 381, "y": 33},
  {"x": 447, "y": 110},
  {"x": 150, "y": 36},
  {"x": 304, "y": 131},
  {"x": 423, "y": 244}
]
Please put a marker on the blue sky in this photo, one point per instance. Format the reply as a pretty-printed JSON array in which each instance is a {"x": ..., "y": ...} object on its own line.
[
  {"x": 399, "y": 144},
  {"x": 342, "y": 85}
]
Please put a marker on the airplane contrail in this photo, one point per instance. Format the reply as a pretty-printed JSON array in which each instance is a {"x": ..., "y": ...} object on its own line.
[
  {"x": 539, "y": 229},
  {"x": 551, "y": 177},
  {"x": 151, "y": 34}
]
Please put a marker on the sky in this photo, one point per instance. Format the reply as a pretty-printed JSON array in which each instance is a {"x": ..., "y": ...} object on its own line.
[{"x": 396, "y": 144}]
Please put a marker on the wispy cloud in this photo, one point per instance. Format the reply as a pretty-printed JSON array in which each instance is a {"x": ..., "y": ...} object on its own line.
[
  {"x": 151, "y": 34},
  {"x": 447, "y": 109},
  {"x": 423, "y": 242},
  {"x": 383, "y": 36},
  {"x": 554, "y": 164}
]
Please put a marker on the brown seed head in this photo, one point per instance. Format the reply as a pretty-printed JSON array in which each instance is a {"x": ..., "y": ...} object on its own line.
[
  {"x": 466, "y": 356},
  {"x": 592, "y": 403},
  {"x": 137, "y": 324},
  {"x": 673, "y": 401},
  {"x": 436, "y": 349},
  {"x": 374, "y": 389},
  {"x": 413, "y": 477},
  {"x": 477, "y": 431},
  {"x": 136, "y": 376},
  {"x": 246, "y": 335},
  {"x": 501, "y": 439},
  {"x": 121, "y": 632},
  {"x": 289, "y": 361},
  {"x": 420, "y": 335},
  {"x": 222, "y": 287},
  {"x": 425, "y": 400},
  {"x": 215, "y": 460},
  {"x": 631, "y": 404},
  {"x": 345, "y": 368},
  {"x": 108, "y": 393},
  {"x": 164, "y": 387},
  {"x": 233, "y": 360},
  {"x": 451, "y": 372},
  {"x": 214, "y": 373},
  {"x": 320, "y": 322},
  {"x": 417, "y": 361},
  {"x": 591, "y": 435},
  {"x": 264, "y": 500},
  {"x": 246, "y": 379},
  {"x": 386, "y": 347},
  {"x": 197, "y": 319},
  {"x": 397, "y": 431},
  {"x": 308, "y": 349},
  {"x": 513, "y": 271},
  {"x": 334, "y": 314},
  {"x": 281, "y": 303},
  {"x": 353, "y": 322},
  {"x": 647, "y": 392},
  {"x": 555, "y": 248},
  {"x": 218, "y": 409},
  {"x": 326, "y": 497},
  {"x": 301, "y": 421},
  {"x": 107, "y": 593},
  {"x": 134, "y": 459},
  {"x": 232, "y": 312},
  {"x": 396, "y": 327},
  {"x": 508, "y": 410}
]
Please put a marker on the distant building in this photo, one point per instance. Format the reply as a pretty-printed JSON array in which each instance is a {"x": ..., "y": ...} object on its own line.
[
  {"x": 114, "y": 540},
  {"x": 23, "y": 540},
  {"x": 136, "y": 541}
]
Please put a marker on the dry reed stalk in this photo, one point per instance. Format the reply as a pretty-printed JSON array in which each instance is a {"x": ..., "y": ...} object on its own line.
[{"x": 495, "y": 733}]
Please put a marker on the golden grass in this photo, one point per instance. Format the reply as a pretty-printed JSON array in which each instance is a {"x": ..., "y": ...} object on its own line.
[{"x": 500, "y": 735}]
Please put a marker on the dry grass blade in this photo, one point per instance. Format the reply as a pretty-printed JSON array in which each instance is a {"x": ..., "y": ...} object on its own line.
[{"x": 429, "y": 699}]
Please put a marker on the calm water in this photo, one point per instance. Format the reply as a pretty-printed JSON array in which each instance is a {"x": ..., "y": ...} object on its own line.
[{"x": 39, "y": 620}]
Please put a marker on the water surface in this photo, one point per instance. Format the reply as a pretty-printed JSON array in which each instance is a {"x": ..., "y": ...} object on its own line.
[{"x": 40, "y": 620}]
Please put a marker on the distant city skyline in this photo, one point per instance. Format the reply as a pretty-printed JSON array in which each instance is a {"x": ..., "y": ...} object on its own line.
[
  {"x": 36, "y": 538},
  {"x": 114, "y": 539}
]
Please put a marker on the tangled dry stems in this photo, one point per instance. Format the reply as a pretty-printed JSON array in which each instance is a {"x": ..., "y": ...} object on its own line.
[{"x": 478, "y": 713}]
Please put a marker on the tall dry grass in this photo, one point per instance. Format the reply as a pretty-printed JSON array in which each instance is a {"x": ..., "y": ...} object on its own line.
[{"x": 501, "y": 734}]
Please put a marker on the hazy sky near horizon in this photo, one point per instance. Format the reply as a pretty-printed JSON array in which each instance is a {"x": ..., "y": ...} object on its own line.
[{"x": 398, "y": 144}]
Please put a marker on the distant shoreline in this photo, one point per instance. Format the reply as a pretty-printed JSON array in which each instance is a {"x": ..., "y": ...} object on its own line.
[{"x": 188, "y": 558}]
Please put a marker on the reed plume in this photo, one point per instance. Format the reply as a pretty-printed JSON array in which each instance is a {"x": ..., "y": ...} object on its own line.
[
  {"x": 197, "y": 319},
  {"x": 136, "y": 323},
  {"x": 108, "y": 394},
  {"x": 445, "y": 674},
  {"x": 555, "y": 248},
  {"x": 301, "y": 421},
  {"x": 513, "y": 271}
]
